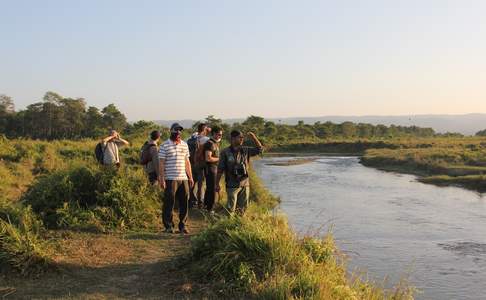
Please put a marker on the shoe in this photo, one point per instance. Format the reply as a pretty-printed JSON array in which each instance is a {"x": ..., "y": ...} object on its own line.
[
  {"x": 169, "y": 230},
  {"x": 183, "y": 231}
]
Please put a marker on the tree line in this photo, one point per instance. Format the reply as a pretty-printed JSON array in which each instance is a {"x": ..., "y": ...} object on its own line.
[{"x": 58, "y": 117}]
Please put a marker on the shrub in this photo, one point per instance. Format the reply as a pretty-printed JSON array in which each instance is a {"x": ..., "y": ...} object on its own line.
[
  {"x": 90, "y": 197},
  {"x": 20, "y": 244},
  {"x": 258, "y": 254}
]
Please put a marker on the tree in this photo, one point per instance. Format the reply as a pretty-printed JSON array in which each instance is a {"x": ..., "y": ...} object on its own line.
[
  {"x": 6, "y": 104},
  {"x": 113, "y": 118},
  {"x": 481, "y": 133},
  {"x": 74, "y": 112},
  {"x": 93, "y": 122},
  {"x": 7, "y": 110}
]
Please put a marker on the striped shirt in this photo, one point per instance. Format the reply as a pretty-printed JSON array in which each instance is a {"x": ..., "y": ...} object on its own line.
[{"x": 175, "y": 156}]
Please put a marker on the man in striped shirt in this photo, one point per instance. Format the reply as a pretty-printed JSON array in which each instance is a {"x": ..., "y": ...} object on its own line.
[{"x": 175, "y": 178}]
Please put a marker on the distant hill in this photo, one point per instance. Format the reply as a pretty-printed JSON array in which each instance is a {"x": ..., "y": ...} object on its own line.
[{"x": 467, "y": 124}]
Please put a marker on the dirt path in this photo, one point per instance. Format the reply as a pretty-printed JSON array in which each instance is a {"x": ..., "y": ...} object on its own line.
[{"x": 106, "y": 266}]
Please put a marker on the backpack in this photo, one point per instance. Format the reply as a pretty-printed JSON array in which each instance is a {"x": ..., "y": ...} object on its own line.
[
  {"x": 99, "y": 151},
  {"x": 193, "y": 145},
  {"x": 145, "y": 157}
]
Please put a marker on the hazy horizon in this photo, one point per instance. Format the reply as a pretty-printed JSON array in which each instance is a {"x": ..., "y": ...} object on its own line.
[{"x": 277, "y": 59}]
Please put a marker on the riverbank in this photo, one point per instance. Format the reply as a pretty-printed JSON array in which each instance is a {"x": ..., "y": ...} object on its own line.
[
  {"x": 70, "y": 229},
  {"x": 440, "y": 161}
]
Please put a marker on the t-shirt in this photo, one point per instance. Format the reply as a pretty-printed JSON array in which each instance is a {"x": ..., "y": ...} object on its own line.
[
  {"x": 110, "y": 152},
  {"x": 212, "y": 146},
  {"x": 175, "y": 156},
  {"x": 229, "y": 158}
]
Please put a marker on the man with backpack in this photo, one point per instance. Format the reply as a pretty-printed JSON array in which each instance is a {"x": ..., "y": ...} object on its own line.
[
  {"x": 107, "y": 150},
  {"x": 149, "y": 157},
  {"x": 198, "y": 163}
]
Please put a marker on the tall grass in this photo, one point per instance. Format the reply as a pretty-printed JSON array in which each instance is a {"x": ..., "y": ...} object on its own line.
[
  {"x": 21, "y": 246},
  {"x": 258, "y": 255}
]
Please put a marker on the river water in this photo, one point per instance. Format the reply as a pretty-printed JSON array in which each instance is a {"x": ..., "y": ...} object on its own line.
[{"x": 388, "y": 225}]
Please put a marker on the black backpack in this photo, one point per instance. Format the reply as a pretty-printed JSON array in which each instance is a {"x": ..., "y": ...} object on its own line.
[
  {"x": 99, "y": 152},
  {"x": 145, "y": 157},
  {"x": 192, "y": 144}
]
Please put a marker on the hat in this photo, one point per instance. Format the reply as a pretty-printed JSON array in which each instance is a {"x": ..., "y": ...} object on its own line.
[{"x": 176, "y": 126}]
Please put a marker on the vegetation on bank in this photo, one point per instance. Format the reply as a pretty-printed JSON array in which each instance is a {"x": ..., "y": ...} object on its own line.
[
  {"x": 57, "y": 187},
  {"x": 259, "y": 255},
  {"x": 460, "y": 161}
]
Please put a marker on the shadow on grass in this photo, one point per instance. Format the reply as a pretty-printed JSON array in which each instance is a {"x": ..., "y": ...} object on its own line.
[{"x": 163, "y": 279}]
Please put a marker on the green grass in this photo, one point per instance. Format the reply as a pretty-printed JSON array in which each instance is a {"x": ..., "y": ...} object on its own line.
[
  {"x": 459, "y": 161},
  {"x": 21, "y": 245},
  {"x": 257, "y": 255}
]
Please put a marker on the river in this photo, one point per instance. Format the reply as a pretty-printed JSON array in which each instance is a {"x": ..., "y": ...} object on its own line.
[{"x": 388, "y": 225}]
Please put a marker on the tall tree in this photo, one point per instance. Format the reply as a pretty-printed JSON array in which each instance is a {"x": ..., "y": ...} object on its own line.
[
  {"x": 7, "y": 110},
  {"x": 113, "y": 118},
  {"x": 6, "y": 104}
]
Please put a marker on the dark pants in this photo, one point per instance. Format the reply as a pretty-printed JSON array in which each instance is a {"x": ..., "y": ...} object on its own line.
[
  {"x": 210, "y": 195},
  {"x": 197, "y": 191},
  {"x": 176, "y": 190}
]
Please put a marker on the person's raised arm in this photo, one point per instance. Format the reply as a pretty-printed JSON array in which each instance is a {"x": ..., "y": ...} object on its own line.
[
  {"x": 255, "y": 140},
  {"x": 119, "y": 139},
  {"x": 107, "y": 139},
  {"x": 259, "y": 147}
]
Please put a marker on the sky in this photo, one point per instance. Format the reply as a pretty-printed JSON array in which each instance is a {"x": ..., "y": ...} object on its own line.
[{"x": 190, "y": 59}]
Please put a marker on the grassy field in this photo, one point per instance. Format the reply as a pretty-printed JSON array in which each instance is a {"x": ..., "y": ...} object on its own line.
[
  {"x": 446, "y": 161},
  {"x": 70, "y": 229}
]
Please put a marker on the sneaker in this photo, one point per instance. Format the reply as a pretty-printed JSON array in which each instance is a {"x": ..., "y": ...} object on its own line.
[
  {"x": 169, "y": 230},
  {"x": 183, "y": 231}
]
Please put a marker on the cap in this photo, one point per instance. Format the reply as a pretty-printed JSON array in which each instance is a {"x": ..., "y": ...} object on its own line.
[{"x": 176, "y": 126}]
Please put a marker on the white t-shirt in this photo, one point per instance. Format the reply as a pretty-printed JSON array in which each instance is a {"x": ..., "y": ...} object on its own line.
[{"x": 175, "y": 156}]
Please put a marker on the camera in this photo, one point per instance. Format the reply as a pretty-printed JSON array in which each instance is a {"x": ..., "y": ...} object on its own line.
[{"x": 240, "y": 170}]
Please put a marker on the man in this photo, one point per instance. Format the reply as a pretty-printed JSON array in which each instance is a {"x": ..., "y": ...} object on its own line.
[
  {"x": 234, "y": 163},
  {"x": 110, "y": 146},
  {"x": 175, "y": 178},
  {"x": 198, "y": 163},
  {"x": 211, "y": 155},
  {"x": 150, "y": 149}
]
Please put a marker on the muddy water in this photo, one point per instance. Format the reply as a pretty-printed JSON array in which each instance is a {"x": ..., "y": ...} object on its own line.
[{"x": 389, "y": 224}]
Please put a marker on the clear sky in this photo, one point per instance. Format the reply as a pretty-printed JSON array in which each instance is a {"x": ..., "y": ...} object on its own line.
[{"x": 189, "y": 59}]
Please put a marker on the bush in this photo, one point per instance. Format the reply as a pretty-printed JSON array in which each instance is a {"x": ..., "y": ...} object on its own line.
[
  {"x": 20, "y": 244},
  {"x": 90, "y": 197},
  {"x": 259, "y": 254}
]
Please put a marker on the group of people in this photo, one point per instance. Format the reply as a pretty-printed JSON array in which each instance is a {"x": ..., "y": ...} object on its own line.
[{"x": 190, "y": 172}]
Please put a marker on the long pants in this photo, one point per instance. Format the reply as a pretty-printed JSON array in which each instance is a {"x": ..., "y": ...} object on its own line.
[
  {"x": 176, "y": 190},
  {"x": 238, "y": 199},
  {"x": 197, "y": 191},
  {"x": 210, "y": 196}
]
